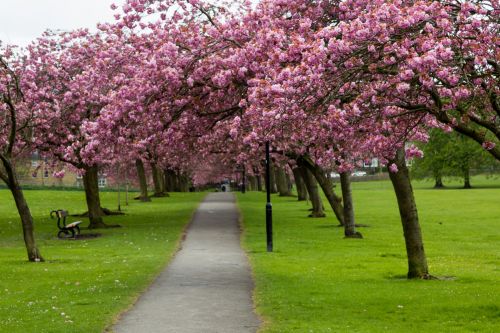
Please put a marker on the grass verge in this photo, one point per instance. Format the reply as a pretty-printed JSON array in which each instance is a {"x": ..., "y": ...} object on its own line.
[
  {"x": 316, "y": 281},
  {"x": 84, "y": 284}
]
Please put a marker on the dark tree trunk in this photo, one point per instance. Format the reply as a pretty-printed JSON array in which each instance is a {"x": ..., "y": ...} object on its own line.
[
  {"x": 327, "y": 187},
  {"x": 289, "y": 182},
  {"x": 143, "y": 183},
  {"x": 170, "y": 180},
  {"x": 349, "y": 221},
  {"x": 272, "y": 175},
  {"x": 281, "y": 182},
  {"x": 176, "y": 179},
  {"x": 165, "y": 180},
  {"x": 184, "y": 182},
  {"x": 258, "y": 178},
  {"x": 249, "y": 183},
  {"x": 252, "y": 182},
  {"x": 159, "y": 192},
  {"x": 417, "y": 262},
  {"x": 299, "y": 184},
  {"x": 187, "y": 183},
  {"x": 255, "y": 185},
  {"x": 312, "y": 189},
  {"x": 467, "y": 184},
  {"x": 91, "y": 186},
  {"x": 23, "y": 210},
  {"x": 439, "y": 182},
  {"x": 161, "y": 177}
]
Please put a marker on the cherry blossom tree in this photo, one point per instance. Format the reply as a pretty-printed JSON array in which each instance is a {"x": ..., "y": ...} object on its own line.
[
  {"x": 73, "y": 77},
  {"x": 196, "y": 88},
  {"x": 16, "y": 121}
]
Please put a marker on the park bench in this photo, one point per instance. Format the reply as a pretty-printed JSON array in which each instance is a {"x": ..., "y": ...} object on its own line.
[{"x": 65, "y": 230}]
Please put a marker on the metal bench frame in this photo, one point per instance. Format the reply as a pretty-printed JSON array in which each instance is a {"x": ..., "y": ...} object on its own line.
[{"x": 65, "y": 230}]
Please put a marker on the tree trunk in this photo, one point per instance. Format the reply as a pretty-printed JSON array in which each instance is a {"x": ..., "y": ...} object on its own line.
[
  {"x": 143, "y": 183},
  {"x": 327, "y": 187},
  {"x": 349, "y": 222},
  {"x": 467, "y": 184},
  {"x": 439, "y": 182},
  {"x": 300, "y": 185},
  {"x": 165, "y": 180},
  {"x": 258, "y": 179},
  {"x": 252, "y": 181},
  {"x": 272, "y": 175},
  {"x": 176, "y": 182},
  {"x": 289, "y": 182},
  {"x": 249, "y": 183},
  {"x": 281, "y": 182},
  {"x": 312, "y": 188},
  {"x": 23, "y": 210},
  {"x": 417, "y": 262},
  {"x": 157, "y": 181},
  {"x": 161, "y": 177},
  {"x": 91, "y": 186},
  {"x": 183, "y": 180},
  {"x": 255, "y": 185},
  {"x": 170, "y": 185}
]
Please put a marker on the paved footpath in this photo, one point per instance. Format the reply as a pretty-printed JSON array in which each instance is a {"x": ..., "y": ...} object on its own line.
[{"x": 207, "y": 286}]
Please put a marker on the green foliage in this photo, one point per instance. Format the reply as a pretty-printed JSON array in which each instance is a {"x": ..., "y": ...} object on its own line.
[
  {"x": 435, "y": 161},
  {"x": 466, "y": 154},
  {"x": 451, "y": 154},
  {"x": 316, "y": 281},
  {"x": 84, "y": 284}
]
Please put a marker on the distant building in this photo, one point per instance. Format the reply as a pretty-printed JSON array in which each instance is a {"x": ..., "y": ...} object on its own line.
[
  {"x": 39, "y": 172},
  {"x": 373, "y": 163}
]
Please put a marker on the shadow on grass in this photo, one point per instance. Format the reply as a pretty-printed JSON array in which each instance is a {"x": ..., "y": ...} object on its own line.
[
  {"x": 328, "y": 226},
  {"x": 81, "y": 237},
  {"x": 25, "y": 263},
  {"x": 264, "y": 252},
  {"x": 401, "y": 277},
  {"x": 458, "y": 187}
]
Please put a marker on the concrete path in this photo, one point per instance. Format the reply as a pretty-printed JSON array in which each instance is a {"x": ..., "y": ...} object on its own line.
[{"x": 207, "y": 286}]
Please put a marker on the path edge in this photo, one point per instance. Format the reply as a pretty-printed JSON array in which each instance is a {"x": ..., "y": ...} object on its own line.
[
  {"x": 178, "y": 247},
  {"x": 264, "y": 321}
]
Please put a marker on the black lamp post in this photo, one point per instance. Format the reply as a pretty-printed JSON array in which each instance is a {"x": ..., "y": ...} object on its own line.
[{"x": 269, "y": 206}]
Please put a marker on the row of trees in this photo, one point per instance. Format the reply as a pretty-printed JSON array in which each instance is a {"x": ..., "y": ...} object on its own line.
[
  {"x": 199, "y": 87},
  {"x": 453, "y": 155}
]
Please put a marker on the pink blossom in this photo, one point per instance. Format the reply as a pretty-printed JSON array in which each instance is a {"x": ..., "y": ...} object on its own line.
[
  {"x": 488, "y": 145},
  {"x": 59, "y": 174},
  {"x": 414, "y": 152}
]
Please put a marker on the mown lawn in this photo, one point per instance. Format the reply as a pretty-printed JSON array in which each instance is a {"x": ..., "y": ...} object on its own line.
[
  {"x": 316, "y": 281},
  {"x": 84, "y": 284}
]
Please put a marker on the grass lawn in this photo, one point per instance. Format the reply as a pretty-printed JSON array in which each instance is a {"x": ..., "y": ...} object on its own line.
[
  {"x": 316, "y": 281},
  {"x": 84, "y": 284}
]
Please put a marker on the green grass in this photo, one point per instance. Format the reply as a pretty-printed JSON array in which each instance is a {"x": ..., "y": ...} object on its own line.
[
  {"x": 316, "y": 281},
  {"x": 84, "y": 284}
]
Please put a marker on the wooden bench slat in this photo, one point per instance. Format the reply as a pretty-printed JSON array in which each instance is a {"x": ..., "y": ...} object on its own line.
[{"x": 73, "y": 224}]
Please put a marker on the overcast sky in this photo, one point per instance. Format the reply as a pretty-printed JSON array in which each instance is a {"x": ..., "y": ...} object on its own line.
[{"x": 23, "y": 20}]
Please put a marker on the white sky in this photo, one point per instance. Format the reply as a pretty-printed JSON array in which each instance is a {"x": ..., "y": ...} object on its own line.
[{"x": 21, "y": 21}]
